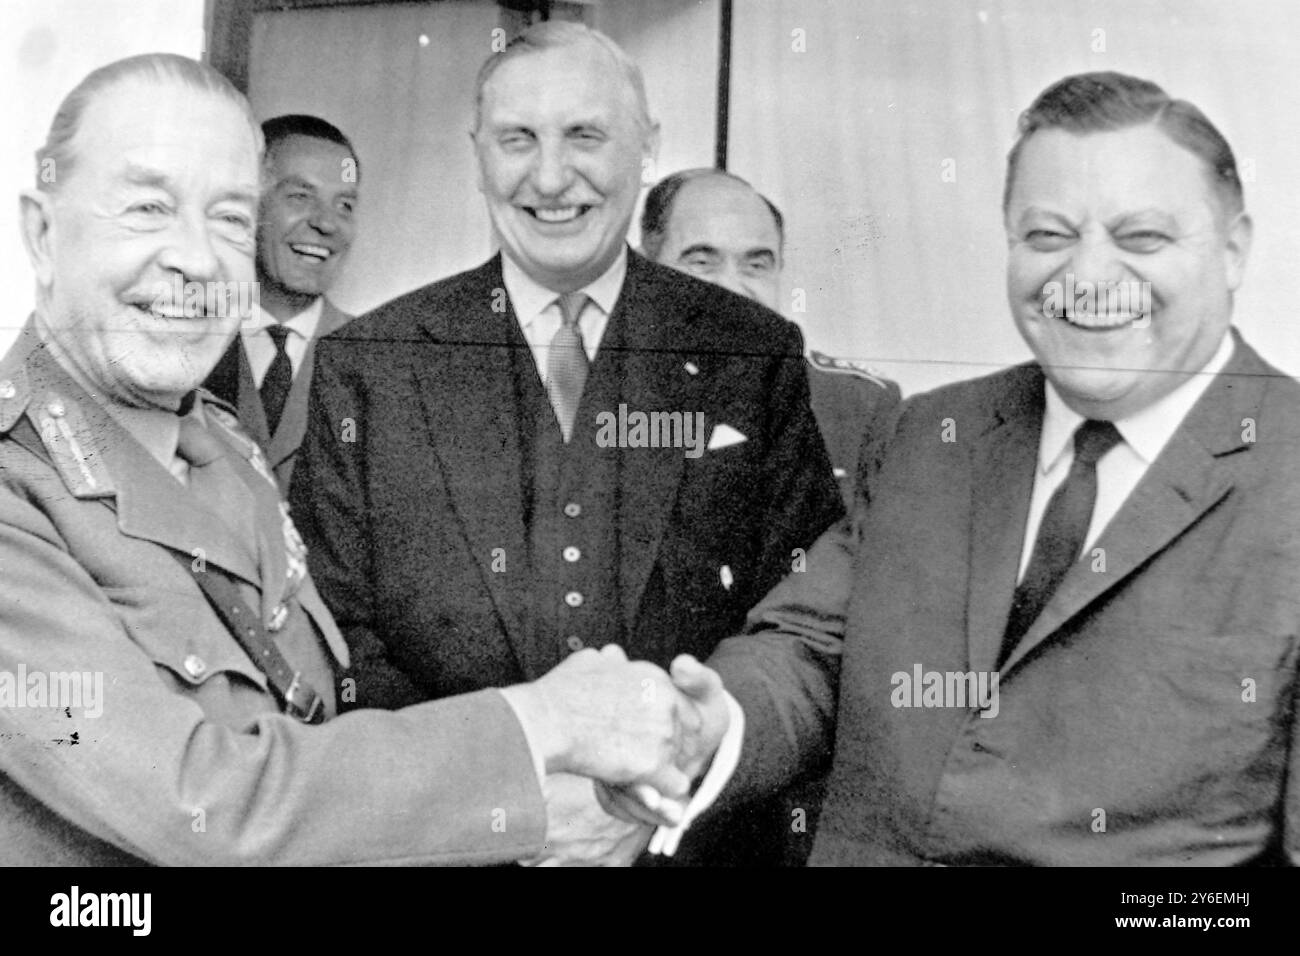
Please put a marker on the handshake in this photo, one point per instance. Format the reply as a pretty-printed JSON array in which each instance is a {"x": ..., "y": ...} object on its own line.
[{"x": 621, "y": 743}]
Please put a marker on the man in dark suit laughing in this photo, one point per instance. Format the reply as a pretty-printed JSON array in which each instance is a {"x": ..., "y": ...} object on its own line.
[{"x": 1062, "y": 624}]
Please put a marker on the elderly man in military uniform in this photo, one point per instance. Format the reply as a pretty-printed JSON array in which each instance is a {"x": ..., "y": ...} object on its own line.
[
  {"x": 717, "y": 227},
  {"x": 167, "y": 669}
]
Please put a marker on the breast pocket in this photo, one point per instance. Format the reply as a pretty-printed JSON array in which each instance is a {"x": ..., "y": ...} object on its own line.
[{"x": 192, "y": 650}]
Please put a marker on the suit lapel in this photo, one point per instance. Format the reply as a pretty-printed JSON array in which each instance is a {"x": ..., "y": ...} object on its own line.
[
  {"x": 293, "y": 421},
  {"x": 654, "y": 379},
  {"x": 1002, "y": 480},
  {"x": 249, "y": 406},
  {"x": 466, "y": 388},
  {"x": 223, "y": 382},
  {"x": 1193, "y": 473}
]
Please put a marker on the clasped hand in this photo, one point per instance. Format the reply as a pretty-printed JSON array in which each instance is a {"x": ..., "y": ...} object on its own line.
[{"x": 642, "y": 734}]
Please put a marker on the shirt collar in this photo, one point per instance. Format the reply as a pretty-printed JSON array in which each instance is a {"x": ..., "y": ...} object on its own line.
[
  {"x": 529, "y": 298},
  {"x": 1146, "y": 431},
  {"x": 304, "y": 323}
]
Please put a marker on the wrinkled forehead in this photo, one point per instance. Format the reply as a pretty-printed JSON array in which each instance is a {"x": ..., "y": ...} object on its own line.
[
  {"x": 1110, "y": 173},
  {"x": 171, "y": 122},
  {"x": 573, "y": 79},
  {"x": 723, "y": 213},
  {"x": 312, "y": 158}
]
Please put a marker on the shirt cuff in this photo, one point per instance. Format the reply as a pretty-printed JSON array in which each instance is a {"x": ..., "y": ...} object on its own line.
[{"x": 666, "y": 839}]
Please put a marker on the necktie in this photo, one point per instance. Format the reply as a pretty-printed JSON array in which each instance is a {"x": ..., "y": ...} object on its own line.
[
  {"x": 566, "y": 363},
  {"x": 275, "y": 386},
  {"x": 195, "y": 445},
  {"x": 1062, "y": 533}
]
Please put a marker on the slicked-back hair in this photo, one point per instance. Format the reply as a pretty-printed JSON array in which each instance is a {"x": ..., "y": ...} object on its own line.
[
  {"x": 279, "y": 128},
  {"x": 1107, "y": 101},
  {"x": 161, "y": 69},
  {"x": 557, "y": 34},
  {"x": 659, "y": 202}
]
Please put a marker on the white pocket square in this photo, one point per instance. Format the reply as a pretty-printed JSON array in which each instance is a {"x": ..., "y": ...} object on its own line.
[{"x": 724, "y": 436}]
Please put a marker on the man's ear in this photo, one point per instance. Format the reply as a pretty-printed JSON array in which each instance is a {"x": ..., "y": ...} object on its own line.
[
  {"x": 478, "y": 162},
  {"x": 1236, "y": 249},
  {"x": 36, "y": 211},
  {"x": 650, "y": 156}
]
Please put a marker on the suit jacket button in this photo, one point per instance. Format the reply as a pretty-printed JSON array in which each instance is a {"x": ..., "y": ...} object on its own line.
[
  {"x": 574, "y": 643},
  {"x": 194, "y": 666},
  {"x": 573, "y": 509},
  {"x": 573, "y": 599},
  {"x": 572, "y": 554}
]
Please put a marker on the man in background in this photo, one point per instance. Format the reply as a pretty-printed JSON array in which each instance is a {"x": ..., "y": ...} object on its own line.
[
  {"x": 717, "y": 227},
  {"x": 479, "y": 497},
  {"x": 305, "y": 226}
]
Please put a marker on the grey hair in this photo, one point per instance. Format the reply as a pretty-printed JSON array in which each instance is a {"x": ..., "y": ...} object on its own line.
[
  {"x": 155, "y": 68},
  {"x": 557, "y": 34}
]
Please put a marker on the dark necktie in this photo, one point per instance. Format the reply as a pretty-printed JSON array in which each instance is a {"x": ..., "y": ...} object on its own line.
[
  {"x": 566, "y": 363},
  {"x": 1062, "y": 533},
  {"x": 275, "y": 386}
]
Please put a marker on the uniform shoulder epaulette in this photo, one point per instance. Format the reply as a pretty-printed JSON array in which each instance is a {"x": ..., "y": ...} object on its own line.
[
  {"x": 826, "y": 363},
  {"x": 15, "y": 393}
]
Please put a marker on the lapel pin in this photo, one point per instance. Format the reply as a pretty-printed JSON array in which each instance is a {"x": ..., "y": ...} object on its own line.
[
  {"x": 725, "y": 576},
  {"x": 692, "y": 368}
]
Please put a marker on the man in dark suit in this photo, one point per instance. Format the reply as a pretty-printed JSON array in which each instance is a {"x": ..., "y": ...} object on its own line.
[
  {"x": 306, "y": 223},
  {"x": 1062, "y": 625},
  {"x": 480, "y": 485},
  {"x": 714, "y": 225}
]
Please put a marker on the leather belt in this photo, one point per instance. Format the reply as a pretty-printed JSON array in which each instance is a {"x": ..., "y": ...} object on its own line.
[{"x": 298, "y": 698}]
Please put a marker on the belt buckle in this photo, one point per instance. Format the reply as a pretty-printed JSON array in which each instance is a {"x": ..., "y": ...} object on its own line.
[{"x": 313, "y": 711}]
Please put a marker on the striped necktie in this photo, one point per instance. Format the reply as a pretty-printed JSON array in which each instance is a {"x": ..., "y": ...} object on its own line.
[{"x": 566, "y": 363}]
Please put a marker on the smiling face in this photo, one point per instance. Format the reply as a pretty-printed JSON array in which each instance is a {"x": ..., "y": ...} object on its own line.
[
  {"x": 722, "y": 232},
  {"x": 151, "y": 205},
  {"x": 306, "y": 221},
  {"x": 1127, "y": 210},
  {"x": 560, "y": 148}
]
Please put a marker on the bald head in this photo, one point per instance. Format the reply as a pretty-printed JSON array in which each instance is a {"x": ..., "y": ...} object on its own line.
[{"x": 716, "y": 227}]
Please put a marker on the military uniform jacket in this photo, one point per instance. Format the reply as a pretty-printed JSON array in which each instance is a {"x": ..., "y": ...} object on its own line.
[
  {"x": 852, "y": 403},
  {"x": 183, "y": 757}
]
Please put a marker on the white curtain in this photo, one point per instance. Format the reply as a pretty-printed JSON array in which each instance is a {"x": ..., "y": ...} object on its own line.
[
  {"x": 881, "y": 127},
  {"x": 398, "y": 79}
]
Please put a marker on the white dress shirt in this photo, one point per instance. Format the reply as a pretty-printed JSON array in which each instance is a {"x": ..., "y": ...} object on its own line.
[
  {"x": 539, "y": 314},
  {"x": 261, "y": 350},
  {"x": 1145, "y": 434}
]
